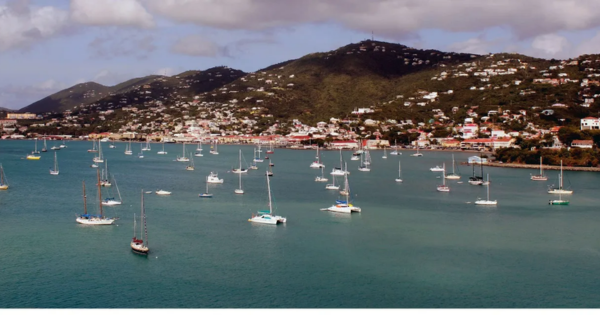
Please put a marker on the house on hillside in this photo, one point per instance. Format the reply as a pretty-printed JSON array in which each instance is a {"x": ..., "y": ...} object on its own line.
[
  {"x": 583, "y": 144},
  {"x": 590, "y": 123}
]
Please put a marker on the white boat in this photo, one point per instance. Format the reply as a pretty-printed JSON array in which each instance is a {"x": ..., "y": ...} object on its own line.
[
  {"x": 341, "y": 205},
  {"x": 183, "y": 157},
  {"x": 266, "y": 216},
  {"x": 443, "y": 187},
  {"x": 44, "y": 149},
  {"x": 162, "y": 192},
  {"x": 270, "y": 171},
  {"x": 384, "y": 154},
  {"x": 199, "y": 148},
  {"x": 395, "y": 152},
  {"x": 128, "y": 150},
  {"x": 89, "y": 219},
  {"x": 190, "y": 166},
  {"x": 270, "y": 150},
  {"x": 453, "y": 175},
  {"x": 367, "y": 159},
  {"x": 104, "y": 139},
  {"x": 140, "y": 246},
  {"x": 253, "y": 166},
  {"x": 346, "y": 190},
  {"x": 317, "y": 163},
  {"x": 239, "y": 190},
  {"x": 54, "y": 147},
  {"x": 476, "y": 180},
  {"x": 205, "y": 195},
  {"x": 332, "y": 186},
  {"x": 399, "y": 179},
  {"x": 3, "y": 182},
  {"x": 338, "y": 171},
  {"x": 214, "y": 148},
  {"x": 363, "y": 167},
  {"x": 104, "y": 177},
  {"x": 257, "y": 159},
  {"x": 541, "y": 176},
  {"x": 111, "y": 201},
  {"x": 239, "y": 170},
  {"x": 147, "y": 147},
  {"x": 487, "y": 202},
  {"x": 437, "y": 168},
  {"x": 63, "y": 145},
  {"x": 559, "y": 201},
  {"x": 112, "y": 145},
  {"x": 141, "y": 154},
  {"x": 560, "y": 189},
  {"x": 321, "y": 178},
  {"x": 55, "y": 170},
  {"x": 100, "y": 157},
  {"x": 213, "y": 178},
  {"x": 94, "y": 148},
  {"x": 162, "y": 152},
  {"x": 35, "y": 153},
  {"x": 418, "y": 153}
]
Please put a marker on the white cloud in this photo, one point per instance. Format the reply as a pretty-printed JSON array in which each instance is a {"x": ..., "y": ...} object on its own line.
[
  {"x": 390, "y": 18},
  {"x": 117, "y": 43},
  {"x": 551, "y": 45},
  {"x": 22, "y": 25},
  {"x": 476, "y": 45},
  {"x": 197, "y": 45},
  {"x": 111, "y": 12}
]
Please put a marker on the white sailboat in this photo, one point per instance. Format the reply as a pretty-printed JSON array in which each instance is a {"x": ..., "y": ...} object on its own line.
[
  {"x": 140, "y": 246},
  {"x": 321, "y": 178},
  {"x": 453, "y": 175},
  {"x": 183, "y": 157},
  {"x": 44, "y": 149},
  {"x": 346, "y": 190},
  {"x": 128, "y": 150},
  {"x": 162, "y": 152},
  {"x": 94, "y": 149},
  {"x": 384, "y": 154},
  {"x": 55, "y": 170},
  {"x": 487, "y": 202},
  {"x": 399, "y": 179},
  {"x": 213, "y": 178},
  {"x": 443, "y": 187},
  {"x": 205, "y": 195},
  {"x": 560, "y": 189},
  {"x": 147, "y": 148},
  {"x": 239, "y": 190},
  {"x": 332, "y": 186},
  {"x": 63, "y": 145},
  {"x": 3, "y": 182},
  {"x": 436, "y": 168},
  {"x": 266, "y": 216},
  {"x": 337, "y": 171},
  {"x": 111, "y": 201},
  {"x": 141, "y": 153},
  {"x": 418, "y": 153},
  {"x": 190, "y": 166},
  {"x": 364, "y": 167},
  {"x": 257, "y": 159},
  {"x": 214, "y": 148},
  {"x": 99, "y": 158},
  {"x": 199, "y": 148},
  {"x": 112, "y": 145},
  {"x": 239, "y": 170},
  {"x": 89, "y": 219},
  {"x": 541, "y": 176},
  {"x": 343, "y": 206},
  {"x": 395, "y": 152},
  {"x": 317, "y": 163}
]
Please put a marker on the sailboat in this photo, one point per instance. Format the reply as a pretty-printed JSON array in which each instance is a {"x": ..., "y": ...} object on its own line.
[
  {"x": 111, "y": 201},
  {"x": 206, "y": 195},
  {"x": 140, "y": 246},
  {"x": 240, "y": 170},
  {"x": 55, "y": 170},
  {"x": 239, "y": 191},
  {"x": 343, "y": 206},
  {"x": 560, "y": 189},
  {"x": 55, "y": 147},
  {"x": 99, "y": 158},
  {"x": 112, "y": 145},
  {"x": 147, "y": 148},
  {"x": 190, "y": 167},
  {"x": 44, "y": 148},
  {"x": 541, "y": 176},
  {"x": 213, "y": 149},
  {"x": 104, "y": 179},
  {"x": 384, "y": 154},
  {"x": 317, "y": 163},
  {"x": 487, "y": 202},
  {"x": 162, "y": 192},
  {"x": 346, "y": 190},
  {"x": 332, "y": 186},
  {"x": 266, "y": 216},
  {"x": 89, "y": 219},
  {"x": 183, "y": 158},
  {"x": 453, "y": 175},
  {"x": 141, "y": 153},
  {"x": 199, "y": 148},
  {"x": 213, "y": 178},
  {"x": 395, "y": 152},
  {"x": 3, "y": 182},
  {"x": 162, "y": 152},
  {"x": 257, "y": 159},
  {"x": 34, "y": 154},
  {"x": 363, "y": 167},
  {"x": 399, "y": 179},
  {"x": 128, "y": 150},
  {"x": 443, "y": 187},
  {"x": 94, "y": 149},
  {"x": 321, "y": 178},
  {"x": 270, "y": 171},
  {"x": 270, "y": 151},
  {"x": 337, "y": 171},
  {"x": 476, "y": 180},
  {"x": 63, "y": 145},
  {"x": 418, "y": 153}
]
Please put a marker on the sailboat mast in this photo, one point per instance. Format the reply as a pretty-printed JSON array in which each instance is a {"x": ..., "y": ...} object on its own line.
[
  {"x": 399, "y": 175},
  {"x": 99, "y": 193},
  {"x": 488, "y": 187},
  {"x": 269, "y": 190},
  {"x": 118, "y": 192},
  {"x": 134, "y": 225},
  {"x": 144, "y": 222},
  {"x": 561, "y": 176},
  {"x": 541, "y": 169},
  {"x": 444, "y": 175},
  {"x": 84, "y": 199},
  {"x": 347, "y": 189},
  {"x": 1, "y": 175}
]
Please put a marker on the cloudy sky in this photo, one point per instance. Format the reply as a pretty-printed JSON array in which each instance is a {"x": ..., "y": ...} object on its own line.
[{"x": 48, "y": 45}]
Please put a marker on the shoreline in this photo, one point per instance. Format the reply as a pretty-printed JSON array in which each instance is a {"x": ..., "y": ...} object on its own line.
[{"x": 545, "y": 167}]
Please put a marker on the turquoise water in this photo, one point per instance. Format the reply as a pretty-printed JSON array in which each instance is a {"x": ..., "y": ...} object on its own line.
[{"x": 410, "y": 247}]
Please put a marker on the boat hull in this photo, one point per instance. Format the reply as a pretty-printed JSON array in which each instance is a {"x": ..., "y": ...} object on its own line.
[
  {"x": 560, "y": 192},
  {"x": 95, "y": 221},
  {"x": 205, "y": 195},
  {"x": 139, "y": 248},
  {"x": 486, "y": 202}
]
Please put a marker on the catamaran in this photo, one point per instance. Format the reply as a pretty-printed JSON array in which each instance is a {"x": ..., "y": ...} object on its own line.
[
  {"x": 399, "y": 179},
  {"x": 162, "y": 152},
  {"x": 206, "y": 195},
  {"x": 453, "y": 175},
  {"x": 541, "y": 176},
  {"x": 317, "y": 163},
  {"x": 343, "y": 206},
  {"x": 266, "y": 216},
  {"x": 239, "y": 170},
  {"x": 183, "y": 157},
  {"x": 487, "y": 202},
  {"x": 111, "y": 201},
  {"x": 199, "y": 148},
  {"x": 560, "y": 189},
  {"x": 89, "y": 219},
  {"x": 213, "y": 178},
  {"x": 55, "y": 170},
  {"x": 476, "y": 180},
  {"x": 443, "y": 187},
  {"x": 3, "y": 182},
  {"x": 140, "y": 246}
]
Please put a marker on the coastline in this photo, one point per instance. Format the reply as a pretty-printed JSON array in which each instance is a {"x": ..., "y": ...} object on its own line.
[{"x": 545, "y": 167}]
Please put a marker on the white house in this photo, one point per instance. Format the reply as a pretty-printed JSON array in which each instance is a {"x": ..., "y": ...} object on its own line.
[{"x": 590, "y": 123}]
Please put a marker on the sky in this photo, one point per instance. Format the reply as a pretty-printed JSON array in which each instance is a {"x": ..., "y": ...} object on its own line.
[{"x": 49, "y": 45}]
